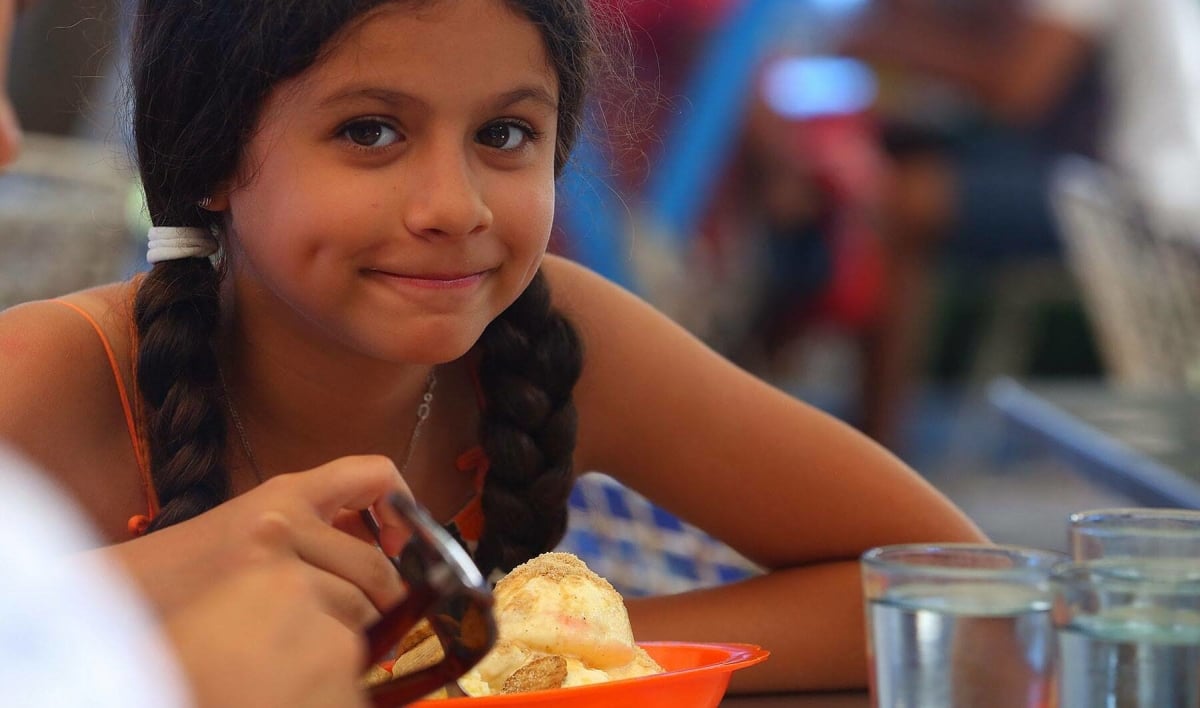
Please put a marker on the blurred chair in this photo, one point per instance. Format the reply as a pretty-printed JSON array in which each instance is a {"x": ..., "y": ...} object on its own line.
[
  {"x": 1141, "y": 283},
  {"x": 641, "y": 548},
  {"x": 1018, "y": 295},
  {"x": 66, "y": 220}
]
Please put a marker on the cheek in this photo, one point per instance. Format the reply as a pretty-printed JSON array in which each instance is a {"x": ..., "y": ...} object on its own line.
[
  {"x": 285, "y": 178},
  {"x": 294, "y": 216},
  {"x": 529, "y": 214}
]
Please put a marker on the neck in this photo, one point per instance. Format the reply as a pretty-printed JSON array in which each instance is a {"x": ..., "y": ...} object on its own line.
[{"x": 304, "y": 404}]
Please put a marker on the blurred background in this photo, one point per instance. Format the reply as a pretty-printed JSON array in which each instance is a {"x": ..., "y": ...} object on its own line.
[{"x": 962, "y": 226}]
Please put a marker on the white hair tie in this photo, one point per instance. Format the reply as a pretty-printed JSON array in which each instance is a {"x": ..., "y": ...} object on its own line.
[{"x": 168, "y": 243}]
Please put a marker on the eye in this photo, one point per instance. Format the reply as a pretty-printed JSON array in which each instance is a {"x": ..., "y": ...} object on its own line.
[
  {"x": 507, "y": 135},
  {"x": 370, "y": 134}
]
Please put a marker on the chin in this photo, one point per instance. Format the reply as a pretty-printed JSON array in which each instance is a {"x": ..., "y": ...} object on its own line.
[{"x": 425, "y": 345}]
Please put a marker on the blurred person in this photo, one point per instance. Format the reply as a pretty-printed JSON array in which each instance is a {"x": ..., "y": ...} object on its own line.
[
  {"x": 1151, "y": 53},
  {"x": 785, "y": 209},
  {"x": 976, "y": 186},
  {"x": 10, "y": 130},
  {"x": 790, "y": 233}
]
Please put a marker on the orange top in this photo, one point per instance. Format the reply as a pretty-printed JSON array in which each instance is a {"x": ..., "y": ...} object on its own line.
[{"x": 468, "y": 521}]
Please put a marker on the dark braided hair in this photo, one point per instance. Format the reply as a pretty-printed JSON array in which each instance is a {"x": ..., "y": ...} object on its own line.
[
  {"x": 531, "y": 360},
  {"x": 201, "y": 72}
]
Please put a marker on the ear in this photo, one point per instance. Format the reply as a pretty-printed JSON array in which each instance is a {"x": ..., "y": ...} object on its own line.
[
  {"x": 218, "y": 198},
  {"x": 217, "y": 201}
]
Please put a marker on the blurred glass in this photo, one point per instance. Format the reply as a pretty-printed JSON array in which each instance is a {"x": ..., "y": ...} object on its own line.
[
  {"x": 958, "y": 625},
  {"x": 1129, "y": 633},
  {"x": 1136, "y": 533}
]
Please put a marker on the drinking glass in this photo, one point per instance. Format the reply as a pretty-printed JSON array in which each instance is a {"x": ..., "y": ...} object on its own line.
[
  {"x": 1129, "y": 633},
  {"x": 1134, "y": 533},
  {"x": 960, "y": 626}
]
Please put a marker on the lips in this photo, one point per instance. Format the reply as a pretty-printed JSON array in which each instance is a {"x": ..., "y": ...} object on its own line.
[{"x": 432, "y": 280}]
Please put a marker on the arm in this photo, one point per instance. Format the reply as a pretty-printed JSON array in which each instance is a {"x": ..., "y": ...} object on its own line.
[
  {"x": 1018, "y": 74},
  {"x": 787, "y": 486}
]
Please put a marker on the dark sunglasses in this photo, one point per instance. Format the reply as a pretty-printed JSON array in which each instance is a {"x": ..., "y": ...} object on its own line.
[{"x": 443, "y": 586}]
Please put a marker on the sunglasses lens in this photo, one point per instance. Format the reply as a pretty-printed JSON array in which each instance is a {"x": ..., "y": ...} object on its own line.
[
  {"x": 477, "y": 631},
  {"x": 445, "y": 588},
  {"x": 467, "y": 630},
  {"x": 460, "y": 631}
]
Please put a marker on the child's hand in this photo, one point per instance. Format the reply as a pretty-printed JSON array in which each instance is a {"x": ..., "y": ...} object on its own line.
[
  {"x": 263, "y": 639},
  {"x": 289, "y": 517}
]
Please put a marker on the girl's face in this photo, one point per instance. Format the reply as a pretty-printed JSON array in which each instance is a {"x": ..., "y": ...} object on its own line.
[{"x": 399, "y": 194}]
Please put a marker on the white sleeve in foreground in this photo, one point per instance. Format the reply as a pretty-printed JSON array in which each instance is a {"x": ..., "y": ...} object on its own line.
[{"x": 72, "y": 631}]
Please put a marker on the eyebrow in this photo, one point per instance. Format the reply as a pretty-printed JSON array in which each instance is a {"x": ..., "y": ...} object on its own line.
[{"x": 507, "y": 99}]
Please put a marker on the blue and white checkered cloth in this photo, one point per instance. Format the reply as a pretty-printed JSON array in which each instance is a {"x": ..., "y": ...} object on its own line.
[{"x": 640, "y": 548}]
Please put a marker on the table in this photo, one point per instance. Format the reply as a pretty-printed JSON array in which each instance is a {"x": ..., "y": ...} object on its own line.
[
  {"x": 846, "y": 699},
  {"x": 1145, "y": 445}
]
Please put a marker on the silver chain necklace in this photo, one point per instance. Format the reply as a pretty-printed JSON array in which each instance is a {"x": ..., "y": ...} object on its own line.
[{"x": 423, "y": 409}]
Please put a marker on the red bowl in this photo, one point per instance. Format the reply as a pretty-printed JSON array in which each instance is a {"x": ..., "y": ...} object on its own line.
[{"x": 696, "y": 676}]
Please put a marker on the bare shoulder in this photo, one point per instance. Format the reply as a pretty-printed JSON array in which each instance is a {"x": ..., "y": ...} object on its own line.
[
  {"x": 593, "y": 302},
  {"x": 620, "y": 329},
  {"x": 59, "y": 400},
  {"x": 639, "y": 366},
  {"x": 48, "y": 338}
]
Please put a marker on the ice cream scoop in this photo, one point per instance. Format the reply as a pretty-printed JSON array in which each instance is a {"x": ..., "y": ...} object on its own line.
[
  {"x": 555, "y": 604},
  {"x": 560, "y": 625}
]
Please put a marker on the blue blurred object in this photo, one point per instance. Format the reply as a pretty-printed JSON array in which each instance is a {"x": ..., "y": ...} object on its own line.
[
  {"x": 839, "y": 7},
  {"x": 697, "y": 146},
  {"x": 696, "y": 149},
  {"x": 798, "y": 87},
  {"x": 591, "y": 212}
]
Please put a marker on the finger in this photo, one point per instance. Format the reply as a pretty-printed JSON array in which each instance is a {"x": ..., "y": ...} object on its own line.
[
  {"x": 355, "y": 482},
  {"x": 391, "y": 529},
  {"x": 393, "y": 538},
  {"x": 349, "y": 558},
  {"x": 392, "y": 535},
  {"x": 303, "y": 596},
  {"x": 344, "y": 601},
  {"x": 351, "y": 522}
]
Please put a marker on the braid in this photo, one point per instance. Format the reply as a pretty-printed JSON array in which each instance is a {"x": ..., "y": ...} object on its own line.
[
  {"x": 531, "y": 359},
  {"x": 176, "y": 313}
]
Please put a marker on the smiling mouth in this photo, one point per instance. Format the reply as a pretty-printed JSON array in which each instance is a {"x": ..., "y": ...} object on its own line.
[{"x": 432, "y": 281}]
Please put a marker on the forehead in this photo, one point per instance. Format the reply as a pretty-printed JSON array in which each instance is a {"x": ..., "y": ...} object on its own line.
[{"x": 466, "y": 45}]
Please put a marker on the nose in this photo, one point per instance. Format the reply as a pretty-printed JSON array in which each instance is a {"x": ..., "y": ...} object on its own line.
[{"x": 445, "y": 197}]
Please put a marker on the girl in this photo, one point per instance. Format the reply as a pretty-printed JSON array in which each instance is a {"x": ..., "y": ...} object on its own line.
[{"x": 379, "y": 180}]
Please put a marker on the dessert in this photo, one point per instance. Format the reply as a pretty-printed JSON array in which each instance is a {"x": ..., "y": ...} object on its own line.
[{"x": 560, "y": 625}]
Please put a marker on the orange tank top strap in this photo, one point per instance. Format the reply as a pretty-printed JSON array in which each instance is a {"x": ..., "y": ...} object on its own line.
[
  {"x": 139, "y": 522},
  {"x": 470, "y": 519}
]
